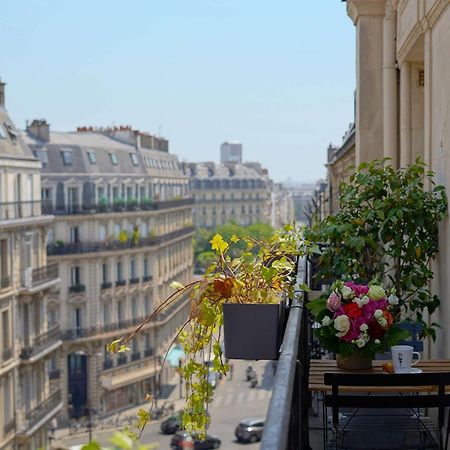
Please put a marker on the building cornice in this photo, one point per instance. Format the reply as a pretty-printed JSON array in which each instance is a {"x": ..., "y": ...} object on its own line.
[{"x": 358, "y": 8}]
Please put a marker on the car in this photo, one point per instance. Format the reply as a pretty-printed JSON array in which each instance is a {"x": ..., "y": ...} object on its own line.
[
  {"x": 172, "y": 424},
  {"x": 249, "y": 430},
  {"x": 180, "y": 438}
]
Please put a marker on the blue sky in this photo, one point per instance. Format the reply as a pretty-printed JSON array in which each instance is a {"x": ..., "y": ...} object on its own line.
[{"x": 277, "y": 76}]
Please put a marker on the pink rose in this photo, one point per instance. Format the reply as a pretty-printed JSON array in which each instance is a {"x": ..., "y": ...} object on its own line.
[{"x": 333, "y": 302}]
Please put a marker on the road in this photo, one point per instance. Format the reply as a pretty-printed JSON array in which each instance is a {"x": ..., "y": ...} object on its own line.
[{"x": 233, "y": 401}]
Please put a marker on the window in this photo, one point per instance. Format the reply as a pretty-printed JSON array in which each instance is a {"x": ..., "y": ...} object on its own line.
[
  {"x": 134, "y": 159},
  {"x": 42, "y": 156},
  {"x": 119, "y": 270},
  {"x": 144, "y": 229},
  {"x": 146, "y": 268},
  {"x": 2, "y": 132},
  {"x": 52, "y": 317},
  {"x": 5, "y": 330},
  {"x": 92, "y": 157},
  {"x": 8, "y": 399},
  {"x": 74, "y": 235},
  {"x": 147, "y": 305},
  {"x": 106, "y": 315},
  {"x": 67, "y": 157},
  {"x": 115, "y": 193},
  {"x": 113, "y": 159},
  {"x": 134, "y": 307},
  {"x": 132, "y": 269},
  {"x": 75, "y": 276},
  {"x": 51, "y": 235},
  {"x": 102, "y": 232},
  {"x": 4, "y": 269},
  {"x": 78, "y": 318},
  {"x": 120, "y": 310},
  {"x": 116, "y": 229},
  {"x": 104, "y": 273}
]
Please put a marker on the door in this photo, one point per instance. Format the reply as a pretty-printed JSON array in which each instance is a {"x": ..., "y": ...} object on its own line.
[{"x": 77, "y": 384}]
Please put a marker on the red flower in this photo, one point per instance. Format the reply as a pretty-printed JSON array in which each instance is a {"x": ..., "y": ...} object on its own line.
[
  {"x": 376, "y": 331},
  {"x": 389, "y": 318},
  {"x": 352, "y": 310}
]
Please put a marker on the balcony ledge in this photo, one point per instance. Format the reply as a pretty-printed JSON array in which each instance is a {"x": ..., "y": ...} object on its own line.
[
  {"x": 51, "y": 348},
  {"x": 24, "y": 434},
  {"x": 40, "y": 287}
]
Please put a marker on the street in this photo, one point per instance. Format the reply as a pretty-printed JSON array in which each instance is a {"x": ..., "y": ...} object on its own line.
[{"x": 234, "y": 400}]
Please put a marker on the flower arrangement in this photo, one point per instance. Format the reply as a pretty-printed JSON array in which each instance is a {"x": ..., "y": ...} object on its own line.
[{"x": 358, "y": 318}]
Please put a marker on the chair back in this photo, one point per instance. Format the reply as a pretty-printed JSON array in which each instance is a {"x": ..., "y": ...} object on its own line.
[
  {"x": 415, "y": 329},
  {"x": 432, "y": 383}
]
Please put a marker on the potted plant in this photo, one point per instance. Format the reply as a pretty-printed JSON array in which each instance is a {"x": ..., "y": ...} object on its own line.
[
  {"x": 146, "y": 202},
  {"x": 257, "y": 279},
  {"x": 119, "y": 204},
  {"x": 132, "y": 203},
  {"x": 103, "y": 203},
  {"x": 357, "y": 321}
]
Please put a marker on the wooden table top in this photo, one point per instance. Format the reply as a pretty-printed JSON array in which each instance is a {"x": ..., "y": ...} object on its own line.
[{"x": 319, "y": 367}]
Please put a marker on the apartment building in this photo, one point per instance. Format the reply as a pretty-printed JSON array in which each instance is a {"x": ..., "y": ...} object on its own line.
[
  {"x": 229, "y": 192},
  {"x": 30, "y": 337},
  {"x": 403, "y": 103},
  {"x": 282, "y": 206},
  {"x": 122, "y": 232}
]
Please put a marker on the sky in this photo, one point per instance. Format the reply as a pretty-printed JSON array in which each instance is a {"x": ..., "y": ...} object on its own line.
[{"x": 277, "y": 76}]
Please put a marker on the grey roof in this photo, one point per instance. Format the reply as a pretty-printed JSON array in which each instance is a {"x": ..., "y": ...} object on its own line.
[
  {"x": 211, "y": 170},
  {"x": 11, "y": 142}
]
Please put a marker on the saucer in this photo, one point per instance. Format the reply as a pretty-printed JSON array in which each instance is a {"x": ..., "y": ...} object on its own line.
[{"x": 411, "y": 370}]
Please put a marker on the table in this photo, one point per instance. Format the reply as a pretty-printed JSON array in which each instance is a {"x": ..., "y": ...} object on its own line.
[{"x": 318, "y": 367}]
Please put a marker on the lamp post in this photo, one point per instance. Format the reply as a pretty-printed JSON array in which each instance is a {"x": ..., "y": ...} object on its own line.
[{"x": 181, "y": 378}]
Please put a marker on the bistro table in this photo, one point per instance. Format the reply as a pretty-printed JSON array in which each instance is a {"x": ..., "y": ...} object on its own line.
[{"x": 318, "y": 367}]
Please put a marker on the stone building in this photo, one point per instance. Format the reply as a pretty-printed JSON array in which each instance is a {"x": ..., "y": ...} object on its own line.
[
  {"x": 29, "y": 337},
  {"x": 403, "y": 102},
  {"x": 231, "y": 152},
  {"x": 282, "y": 206},
  {"x": 122, "y": 232},
  {"x": 229, "y": 192}
]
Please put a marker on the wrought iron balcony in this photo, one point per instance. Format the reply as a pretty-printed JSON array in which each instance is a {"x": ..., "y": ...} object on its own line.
[
  {"x": 77, "y": 288},
  {"x": 7, "y": 354},
  {"x": 40, "y": 342},
  {"x": 9, "y": 426},
  {"x": 121, "y": 282},
  {"x": 43, "y": 409},
  {"x": 147, "y": 278},
  {"x": 135, "y": 356},
  {"x": 134, "y": 280},
  {"x": 54, "y": 374},
  {"x": 148, "y": 352},
  {"x": 5, "y": 282},
  {"x": 106, "y": 285},
  {"x": 20, "y": 210},
  {"x": 107, "y": 364},
  {"x": 122, "y": 360},
  {"x": 33, "y": 278},
  {"x": 60, "y": 248}
]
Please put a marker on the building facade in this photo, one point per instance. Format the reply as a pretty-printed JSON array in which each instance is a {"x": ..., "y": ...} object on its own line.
[
  {"x": 282, "y": 206},
  {"x": 231, "y": 152},
  {"x": 403, "y": 102},
  {"x": 30, "y": 339},
  {"x": 122, "y": 232},
  {"x": 229, "y": 192}
]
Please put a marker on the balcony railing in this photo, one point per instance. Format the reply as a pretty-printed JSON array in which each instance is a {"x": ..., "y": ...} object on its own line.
[
  {"x": 147, "y": 278},
  {"x": 48, "y": 207},
  {"x": 59, "y": 248},
  {"x": 106, "y": 285},
  {"x": 135, "y": 356},
  {"x": 43, "y": 409},
  {"x": 121, "y": 360},
  {"x": 54, "y": 374},
  {"x": 77, "y": 288},
  {"x": 148, "y": 352},
  {"x": 121, "y": 282},
  {"x": 41, "y": 342},
  {"x": 40, "y": 275},
  {"x": 134, "y": 280},
  {"x": 9, "y": 426},
  {"x": 5, "y": 282},
  {"x": 20, "y": 210},
  {"x": 7, "y": 354},
  {"x": 107, "y": 364}
]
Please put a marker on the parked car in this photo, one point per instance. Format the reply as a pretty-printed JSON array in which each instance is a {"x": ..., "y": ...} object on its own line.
[
  {"x": 180, "y": 438},
  {"x": 250, "y": 430},
  {"x": 172, "y": 424}
]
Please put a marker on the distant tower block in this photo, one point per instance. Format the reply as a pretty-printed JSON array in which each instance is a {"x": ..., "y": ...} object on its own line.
[{"x": 231, "y": 152}]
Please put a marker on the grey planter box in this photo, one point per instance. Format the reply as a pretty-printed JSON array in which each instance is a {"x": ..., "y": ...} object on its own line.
[{"x": 253, "y": 331}]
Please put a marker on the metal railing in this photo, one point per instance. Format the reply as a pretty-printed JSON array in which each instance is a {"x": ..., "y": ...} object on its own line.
[
  {"x": 44, "y": 408},
  {"x": 286, "y": 426},
  {"x": 77, "y": 288},
  {"x": 48, "y": 207},
  {"x": 60, "y": 248},
  {"x": 147, "y": 278},
  {"x": 134, "y": 280},
  {"x": 5, "y": 282},
  {"x": 54, "y": 374},
  {"x": 7, "y": 354},
  {"x": 106, "y": 285},
  {"x": 44, "y": 274},
  {"x": 20, "y": 210},
  {"x": 9, "y": 426},
  {"x": 40, "y": 342}
]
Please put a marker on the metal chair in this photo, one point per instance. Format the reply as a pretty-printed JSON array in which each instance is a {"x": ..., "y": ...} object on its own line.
[{"x": 400, "y": 426}]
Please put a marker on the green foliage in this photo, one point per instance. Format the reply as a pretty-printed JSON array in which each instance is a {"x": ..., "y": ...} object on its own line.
[
  {"x": 386, "y": 229},
  {"x": 120, "y": 440},
  {"x": 136, "y": 235}
]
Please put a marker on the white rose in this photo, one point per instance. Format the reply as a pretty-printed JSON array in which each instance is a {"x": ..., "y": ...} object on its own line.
[
  {"x": 326, "y": 321},
  {"x": 364, "y": 327},
  {"x": 361, "y": 301},
  {"x": 365, "y": 300},
  {"x": 393, "y": 299},
  {"x": 346, "y": 292},
  {"x": 360, "y": 343},
  {"x": 383, "y": 322},
  {"x": 342, "y": 324},
  {"x": 377, "y": 341},
  {"x": 378, "y": 314}
]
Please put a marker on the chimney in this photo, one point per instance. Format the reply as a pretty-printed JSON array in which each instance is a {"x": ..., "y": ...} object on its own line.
[
  {"x": 39, "y": 129},
  {"x": 2, "y": 94}
]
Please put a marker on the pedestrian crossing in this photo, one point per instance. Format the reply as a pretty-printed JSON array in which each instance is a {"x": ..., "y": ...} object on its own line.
[{"x": 235, "y": 398}]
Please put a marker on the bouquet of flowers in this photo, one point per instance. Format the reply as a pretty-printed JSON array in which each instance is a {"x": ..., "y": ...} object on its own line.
[{"x": 358, "y": 318}]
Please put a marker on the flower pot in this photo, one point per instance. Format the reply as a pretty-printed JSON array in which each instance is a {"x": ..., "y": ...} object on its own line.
[
  {"x": 253, "y": 331},
  {"x": 356, "y": 361}
]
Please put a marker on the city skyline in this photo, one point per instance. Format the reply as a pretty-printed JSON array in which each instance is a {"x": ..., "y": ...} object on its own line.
[{"x": 240, "y": 80}]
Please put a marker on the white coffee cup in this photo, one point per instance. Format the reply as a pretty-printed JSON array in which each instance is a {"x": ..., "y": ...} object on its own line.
[{"x": 402, "y": 358}]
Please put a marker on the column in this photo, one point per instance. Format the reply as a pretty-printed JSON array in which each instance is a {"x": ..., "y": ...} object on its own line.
[
  {"x": 405, "y": 113},
  {"x": 390, "y": 125},
  {"x": 368, "y": 16}
]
